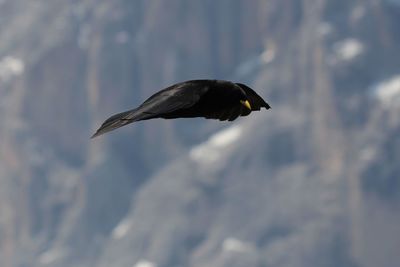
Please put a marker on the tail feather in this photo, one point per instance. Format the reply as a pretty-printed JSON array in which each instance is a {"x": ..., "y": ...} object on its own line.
[{"x": 115, "y": 122}]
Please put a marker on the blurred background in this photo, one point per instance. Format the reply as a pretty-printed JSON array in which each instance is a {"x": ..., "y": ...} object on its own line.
[{"x": 315, "y": 181}]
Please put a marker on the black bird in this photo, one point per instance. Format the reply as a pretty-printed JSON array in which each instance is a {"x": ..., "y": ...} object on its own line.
[{"x": 211, "y": 99}]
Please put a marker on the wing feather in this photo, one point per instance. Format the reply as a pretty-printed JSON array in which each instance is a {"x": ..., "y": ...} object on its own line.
[{"x": 180, "y": 96}]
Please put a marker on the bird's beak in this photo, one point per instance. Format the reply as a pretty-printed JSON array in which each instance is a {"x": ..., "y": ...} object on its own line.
[{"x": 246, "y": 103}]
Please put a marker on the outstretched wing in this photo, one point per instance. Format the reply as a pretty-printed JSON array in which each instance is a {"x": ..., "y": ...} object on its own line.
[{"x": 179, "y": 96}]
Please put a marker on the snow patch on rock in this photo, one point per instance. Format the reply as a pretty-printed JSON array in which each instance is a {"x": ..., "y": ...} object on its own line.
[
  {"x": 144, "y": 263},
  {"x": 388, "y": 91},
  {"x": 122, "y": 229},
  {"x": 50, "y": 256},
  {"x": 10, "y": 67},
  {"x": 348, "y": 49},
  {"x": 211, "y": 150},
  {"x": 235, "y": 245}
]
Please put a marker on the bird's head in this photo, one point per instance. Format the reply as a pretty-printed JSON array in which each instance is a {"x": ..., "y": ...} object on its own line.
[{"x": 250, "y": 99}]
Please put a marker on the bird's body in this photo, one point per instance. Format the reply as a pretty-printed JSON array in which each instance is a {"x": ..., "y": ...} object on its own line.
[{"x": 211, "y": 99}]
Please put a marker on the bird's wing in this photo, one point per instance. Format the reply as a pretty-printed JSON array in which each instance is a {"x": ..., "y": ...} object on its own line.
[
  {"x": 255, "y": 100},
  {"x": 182, "y": 96},
  {"x": 168, "y": 100},
  {"x": 114, "y": 122}
]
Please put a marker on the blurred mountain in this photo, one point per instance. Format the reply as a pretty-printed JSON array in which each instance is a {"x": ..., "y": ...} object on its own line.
[{"x": 313, "y": 182}]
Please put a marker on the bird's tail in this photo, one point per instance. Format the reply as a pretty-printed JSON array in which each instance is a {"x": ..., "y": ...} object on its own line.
[{"x": 114, "y": 122}]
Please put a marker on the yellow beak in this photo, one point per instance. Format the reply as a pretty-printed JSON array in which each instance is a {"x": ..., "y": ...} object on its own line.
[{"x": 246, "y": 103}]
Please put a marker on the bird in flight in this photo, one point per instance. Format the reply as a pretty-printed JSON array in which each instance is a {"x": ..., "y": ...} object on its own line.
[{"x": 211, "y": 99}]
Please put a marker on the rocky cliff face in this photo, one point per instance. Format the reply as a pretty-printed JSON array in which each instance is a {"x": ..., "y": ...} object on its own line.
[{"x": 313, "y": 182}]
